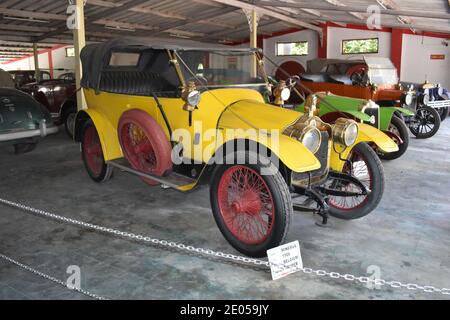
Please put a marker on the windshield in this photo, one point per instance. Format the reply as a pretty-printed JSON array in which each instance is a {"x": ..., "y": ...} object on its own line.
[
  {"x": 219, "y": 68},
  {"x": 381, "y": 71},
  {"x": 383, "y": 76}
]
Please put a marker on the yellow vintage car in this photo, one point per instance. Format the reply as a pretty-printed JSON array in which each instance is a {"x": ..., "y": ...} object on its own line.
[{"x": 182, "y": 115}]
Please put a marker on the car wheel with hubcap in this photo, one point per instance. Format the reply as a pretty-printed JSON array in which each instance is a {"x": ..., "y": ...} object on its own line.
[
  {"x": 399, "y": 128},
  {"x": 426, "y": 124},
  {"x": 363, "y": 164},
  {"x": 92, "y": 154},
  {"x": 252, "y": 210}
]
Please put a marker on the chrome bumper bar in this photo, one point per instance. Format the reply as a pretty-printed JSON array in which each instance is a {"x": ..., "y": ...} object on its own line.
[
  {"x": 41, "y": 132},
  {"x": 439, "y": 104}
]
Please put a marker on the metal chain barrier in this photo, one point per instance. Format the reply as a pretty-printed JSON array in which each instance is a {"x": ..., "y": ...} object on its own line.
[
  {"x": 46, "y": 276},
  {"x": 227, "y": 256}
]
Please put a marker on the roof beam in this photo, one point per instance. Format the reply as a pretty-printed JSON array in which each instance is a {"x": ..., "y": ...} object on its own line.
[
  {"x": 410, "y": 13},
  {"x": 338, "y": 3},
  {"x": 32, "y": 14},
  {"x": 270, "y": 13},
  {"x": 18, "y": 27}
]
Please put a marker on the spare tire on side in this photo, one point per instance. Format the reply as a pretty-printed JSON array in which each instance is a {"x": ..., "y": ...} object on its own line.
[{"x": 144, "y": 144}]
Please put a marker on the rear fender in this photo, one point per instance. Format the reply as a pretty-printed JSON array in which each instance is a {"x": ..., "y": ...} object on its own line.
[{"x": 106, "y": 132}]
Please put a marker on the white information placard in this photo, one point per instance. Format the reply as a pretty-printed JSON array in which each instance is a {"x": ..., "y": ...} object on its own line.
[{"x": 285, "y": 259}]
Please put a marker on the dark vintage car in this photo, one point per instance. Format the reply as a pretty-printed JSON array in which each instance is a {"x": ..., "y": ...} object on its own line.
[
  {"x": 434, "y": 96},
  {"x": 22, "y": 77},
  {"x": 58, "y": 96},
  {"x": 23, "y": 120},
  {"x": 373, "y": 78}
]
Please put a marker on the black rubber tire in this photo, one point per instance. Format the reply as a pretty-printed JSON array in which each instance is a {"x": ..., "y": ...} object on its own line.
[
  {"x": 24, "y": 147},
  {"x": 404, "y": 135},
  {"x": 107, "y": 171},
  {"x": 437, "y": 123},
  {"x": 66, "y": 118},
  {"x": 377, "y": 172},
  {"x": 443, "y": 113},
  {"x": 283, "y": 211}
]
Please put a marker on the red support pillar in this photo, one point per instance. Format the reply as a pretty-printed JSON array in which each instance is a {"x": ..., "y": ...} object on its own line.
[
  {"x": 50, "y": 62},
  {"x": 260, "y": 42},
  {"x": 396, "y": 48},
  {"x": 322, "y": 52}
]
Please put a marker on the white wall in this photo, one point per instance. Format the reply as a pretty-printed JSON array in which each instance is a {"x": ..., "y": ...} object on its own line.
[
  {"x": 336, "y": 35},
  {"x": 304, "y": 35},
  {"x": 60, "y": 61},
  {"x": 417, "y": 65}
]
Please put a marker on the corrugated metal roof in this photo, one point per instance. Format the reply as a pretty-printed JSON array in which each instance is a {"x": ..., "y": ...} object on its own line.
[{"x": 44, "y": 21}]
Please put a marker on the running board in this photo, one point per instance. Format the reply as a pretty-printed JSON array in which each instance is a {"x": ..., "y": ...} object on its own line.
[{"x": 173, "y": 180}]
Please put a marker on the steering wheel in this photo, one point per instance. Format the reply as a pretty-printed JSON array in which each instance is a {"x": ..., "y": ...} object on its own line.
[
  {"x": 357, "y": 77},
  {"x": 291, "y": 83}
]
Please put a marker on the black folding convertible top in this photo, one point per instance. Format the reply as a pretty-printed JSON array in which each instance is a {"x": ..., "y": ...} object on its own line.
[{"x": 94, "y": 57}]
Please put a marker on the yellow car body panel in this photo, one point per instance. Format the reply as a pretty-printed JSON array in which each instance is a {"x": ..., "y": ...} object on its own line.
[
  {"x": 107, "y": 135},
  {"x": 219, "y": 109},
  {"x": 248, "y": 115},
  {"x": 107, "y": 108}
]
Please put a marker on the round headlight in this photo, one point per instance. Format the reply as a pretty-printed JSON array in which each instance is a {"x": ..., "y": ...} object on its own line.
[
  {"x": 440, "y": 91},
  {"x": 345, "y": 132},
  {"x": 193, "y": 98},
  {"x": 285, "y": 94},
  {"x": 408, "y": 99},
  {"x": 350, "y": 134},
  {"x": 425, "y": 99},
  {"x": 311, "y": 139}
]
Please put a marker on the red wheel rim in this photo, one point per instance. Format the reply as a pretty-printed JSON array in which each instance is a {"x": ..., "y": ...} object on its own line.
[
  {"x": 246, "y": 205},
  {"x": 359, "y": 169},
  {"x": 92, "y": 150},
  {"x": 138, "y": 148}
]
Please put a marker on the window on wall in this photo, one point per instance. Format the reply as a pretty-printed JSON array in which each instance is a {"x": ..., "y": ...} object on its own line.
[
  {"x": 70, "y": 52},
  {"x": 292, "y": 48},
  {"x": 360, "y": 46}
]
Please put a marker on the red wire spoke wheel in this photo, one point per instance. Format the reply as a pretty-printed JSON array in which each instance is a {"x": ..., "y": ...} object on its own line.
[
  {"x": 92, "y": 154},
  {"x": 144, "y": 144},
  {"x": 364, "y": 165},
  {"x": 246, "y": 204},
  {"x": 251, "y": 210}
]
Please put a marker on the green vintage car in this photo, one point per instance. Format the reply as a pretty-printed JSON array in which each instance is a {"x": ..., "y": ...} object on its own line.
[
  {"x": 332, "y": 107},
  {"x": 23, "y": 120}
]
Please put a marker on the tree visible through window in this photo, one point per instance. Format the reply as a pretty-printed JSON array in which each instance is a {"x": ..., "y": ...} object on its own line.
[
  {"x": 359, "y": 46},
  {"x": 292, "y": 48}
]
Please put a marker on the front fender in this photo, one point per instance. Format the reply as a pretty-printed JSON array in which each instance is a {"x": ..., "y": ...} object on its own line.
[
  {"x": 106, "y": 132},
  {"x": 386, "y": 114},
  {"x": 366, "y": 134},
  {"x": 291, "y": 153}
]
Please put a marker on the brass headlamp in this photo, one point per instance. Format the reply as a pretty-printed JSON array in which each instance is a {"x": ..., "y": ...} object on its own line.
[
  {"x": 345, "y": 132},
  {"x": 281, "y": 93},
  {"x": 191, "y": 97}
]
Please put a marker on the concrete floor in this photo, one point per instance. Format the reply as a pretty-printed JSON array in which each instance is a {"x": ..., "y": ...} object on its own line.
[{"x": 408, "y": 236}]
